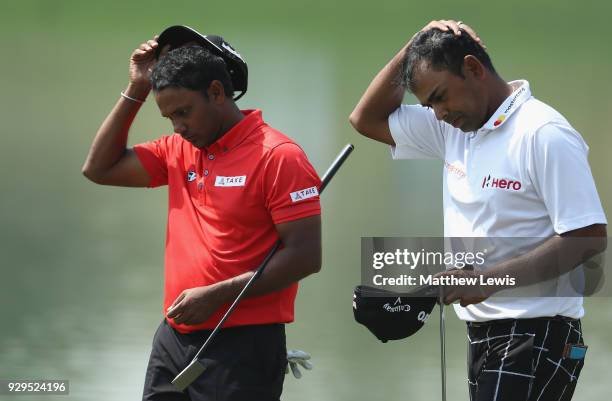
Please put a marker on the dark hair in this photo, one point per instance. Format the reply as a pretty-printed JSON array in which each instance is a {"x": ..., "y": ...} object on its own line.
[
  {"x": 442, "y": 50},
  {"x": 191, "y": 67}
]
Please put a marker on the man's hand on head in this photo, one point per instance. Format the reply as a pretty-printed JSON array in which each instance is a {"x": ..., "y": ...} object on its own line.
[
  {"x": 142, "y": 62},
  {"x": 456, "y": 26}
]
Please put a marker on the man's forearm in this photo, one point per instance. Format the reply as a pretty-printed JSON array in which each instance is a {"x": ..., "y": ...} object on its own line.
[
  {"x": 287, "y": 266},
  {"x": 385, "y": 92},
  {"x": 553, "y": 258},
  {"x": 110, "y": 141},
  {"x": 195, "y": 305},
  {"x": 382, "y": 97}
]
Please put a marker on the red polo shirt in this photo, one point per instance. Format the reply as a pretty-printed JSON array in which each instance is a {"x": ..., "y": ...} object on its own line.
[{"x": 223, "y": 204}]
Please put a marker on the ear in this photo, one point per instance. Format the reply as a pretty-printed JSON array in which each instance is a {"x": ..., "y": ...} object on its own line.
[
  {"x": 216, "y": 92},
  {"x": 473, "y": 68}
]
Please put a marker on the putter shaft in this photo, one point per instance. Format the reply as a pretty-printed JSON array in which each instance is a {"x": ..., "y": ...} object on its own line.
[{"x": 442, "y": 350}]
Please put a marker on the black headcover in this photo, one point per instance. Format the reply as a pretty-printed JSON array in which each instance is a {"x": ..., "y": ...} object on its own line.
[
  {"x": 178, "y": 35},
  {"x": 390, "y": 316}
]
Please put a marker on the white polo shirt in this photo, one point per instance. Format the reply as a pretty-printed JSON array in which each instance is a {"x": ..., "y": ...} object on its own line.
[{"x": 524, "y": 174}]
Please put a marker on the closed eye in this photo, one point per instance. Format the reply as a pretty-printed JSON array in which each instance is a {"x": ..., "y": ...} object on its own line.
[
  {"x": 180, "y": 113},
  {"x": 437, "y": 99},
  {"x": 441, "y": 97}
]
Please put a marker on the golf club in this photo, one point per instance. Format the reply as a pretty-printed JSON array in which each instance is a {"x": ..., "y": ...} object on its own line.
[
  {"x": 442, "y": 348},
  {"x": 443, "y": 338},
  {"x": 195, "y": 367}
]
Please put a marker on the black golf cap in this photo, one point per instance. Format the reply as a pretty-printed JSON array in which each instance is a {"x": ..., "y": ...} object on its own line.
[
  {"x": 178, "y": 35},
  {"x": 390, "y": 316}
]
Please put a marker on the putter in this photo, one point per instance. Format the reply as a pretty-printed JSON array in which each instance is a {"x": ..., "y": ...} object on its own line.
[
  {"x": 442, "y": 349},
  {"x": 195, "y": 367},
  {"x": 443, "y": 339}
]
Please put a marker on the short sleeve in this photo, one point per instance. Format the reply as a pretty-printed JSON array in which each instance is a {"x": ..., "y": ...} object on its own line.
[
  {"x": 290, "y": 184},
  {"x": 153, "y": 156},
  {"x": 417, "y": 133},
  {"x": 560, "y": 172}
]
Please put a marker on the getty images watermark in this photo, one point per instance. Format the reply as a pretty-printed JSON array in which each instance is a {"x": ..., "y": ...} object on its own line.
[
  {"x": 524, "y": 267},
  {"x": 409, "y": 259}
]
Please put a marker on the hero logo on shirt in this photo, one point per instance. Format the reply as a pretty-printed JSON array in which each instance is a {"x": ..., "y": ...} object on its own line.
[
  {"x": 236, "y": 181},
  {"x": 501, "y": 183},
  {"x": 304, "y": 194}
]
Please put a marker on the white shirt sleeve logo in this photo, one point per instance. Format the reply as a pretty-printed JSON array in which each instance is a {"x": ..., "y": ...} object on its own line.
[
  {"x": 237, "y": 181},
  {"x": 304, "y": 194}
]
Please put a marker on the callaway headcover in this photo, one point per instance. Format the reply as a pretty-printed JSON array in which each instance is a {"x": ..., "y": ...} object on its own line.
[
  {"x": 178, "y": 35},
  {"x": 390, "y": 316}
]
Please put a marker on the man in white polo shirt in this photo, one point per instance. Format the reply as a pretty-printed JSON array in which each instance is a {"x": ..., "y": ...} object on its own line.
[{"x": 513, "y": 168}]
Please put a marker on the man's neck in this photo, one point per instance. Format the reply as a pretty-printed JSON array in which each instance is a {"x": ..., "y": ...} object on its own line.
[{"x": 232, "y": 116}]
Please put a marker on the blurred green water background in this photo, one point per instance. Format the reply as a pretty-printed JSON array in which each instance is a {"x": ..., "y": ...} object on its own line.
[{"x": 81, "y": 266}]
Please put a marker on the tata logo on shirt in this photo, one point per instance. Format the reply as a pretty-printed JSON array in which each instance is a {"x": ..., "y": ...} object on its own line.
[
  {"x": 191, "y": 176},
  {"x": 237, "y": 181},
  {"x": 304, "y": 194},
  {"x": 501, "y": 183}
]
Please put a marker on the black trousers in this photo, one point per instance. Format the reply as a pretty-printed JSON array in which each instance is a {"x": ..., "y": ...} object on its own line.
[
  {"x": 523, "y": 359},
  {"x": 242, "y": 363}
]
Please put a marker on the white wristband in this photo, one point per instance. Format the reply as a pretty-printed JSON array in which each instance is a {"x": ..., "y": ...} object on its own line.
[{"x": 131, "y": 98}]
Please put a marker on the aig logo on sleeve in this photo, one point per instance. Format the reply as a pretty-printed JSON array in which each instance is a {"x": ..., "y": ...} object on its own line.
[
  {"x": 304, "y": 194},
  {"x": 236, "y": 181}
]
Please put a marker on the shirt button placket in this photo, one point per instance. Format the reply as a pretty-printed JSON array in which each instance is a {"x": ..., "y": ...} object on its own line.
[
  {"x": 206, "y": 173},
  {"x": 204, "y": 179},
  {"x": 200, "y": 182}
]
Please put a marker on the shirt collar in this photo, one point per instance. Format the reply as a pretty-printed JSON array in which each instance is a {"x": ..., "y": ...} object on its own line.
[
  {"x": 510, "y": 105},
  {"x": 235, "y": 135}
]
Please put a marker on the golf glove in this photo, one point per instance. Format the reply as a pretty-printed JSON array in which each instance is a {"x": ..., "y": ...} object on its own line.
[{"x": 296, "y": 357}]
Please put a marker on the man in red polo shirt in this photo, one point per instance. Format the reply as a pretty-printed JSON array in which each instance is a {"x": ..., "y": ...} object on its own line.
[{"x": 235, "y": 187}]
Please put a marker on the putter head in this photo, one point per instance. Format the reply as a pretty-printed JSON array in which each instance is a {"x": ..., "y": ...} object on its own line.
[{"x": 188, "y": 375}]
